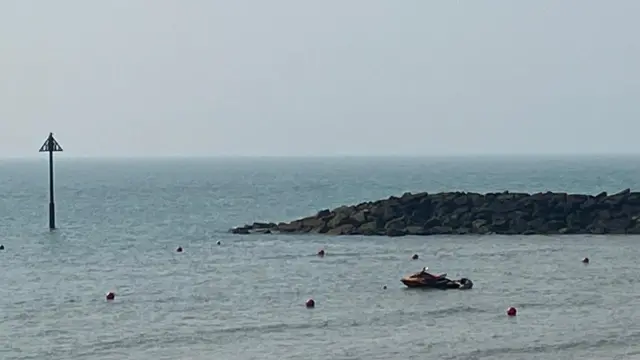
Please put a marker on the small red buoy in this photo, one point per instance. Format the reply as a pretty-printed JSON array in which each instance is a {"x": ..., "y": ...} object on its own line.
[
  {"x": 585, "y": 260},
  {"x": 415, "y": 257},
  {"x": 310, "y": 303},
  {"x": 111, "y": 295},
  {"x": 321, "y": 253},
  {"x": 179, "y": 249},
  {"x": 512, "y": 311}
]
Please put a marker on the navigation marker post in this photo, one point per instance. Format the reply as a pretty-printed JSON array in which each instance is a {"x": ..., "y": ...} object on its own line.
[{"x": 51, "y": 145}]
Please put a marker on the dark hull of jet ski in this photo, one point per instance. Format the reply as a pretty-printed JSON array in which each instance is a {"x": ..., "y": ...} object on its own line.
[{"x": 416, "y": 281}]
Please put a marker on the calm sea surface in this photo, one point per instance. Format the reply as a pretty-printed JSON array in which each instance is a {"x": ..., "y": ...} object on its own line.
[{"x": 120, "y": 222}]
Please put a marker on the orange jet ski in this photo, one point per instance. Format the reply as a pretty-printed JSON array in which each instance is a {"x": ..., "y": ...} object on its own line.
[{"x": 424, "y": 279}]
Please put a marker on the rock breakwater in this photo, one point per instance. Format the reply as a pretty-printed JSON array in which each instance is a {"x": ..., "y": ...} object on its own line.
[{"x": 472, "y": 213}]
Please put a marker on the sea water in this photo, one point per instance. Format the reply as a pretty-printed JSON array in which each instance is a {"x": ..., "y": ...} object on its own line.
[{"x": 120, "y": 222}]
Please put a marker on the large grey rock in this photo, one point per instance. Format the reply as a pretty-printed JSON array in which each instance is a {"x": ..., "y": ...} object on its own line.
[{"x": 472, "y": 213}]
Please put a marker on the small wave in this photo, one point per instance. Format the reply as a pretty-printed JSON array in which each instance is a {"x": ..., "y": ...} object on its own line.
[
  {"x": 349, "y": 254},
  {"x": 284, "y": 257},
  {"x": 312, "y": 256},
  {"x": 270, "y": 328},
  {"x": 615, "y": 341},
  {"x": 443, "y": 312},
  {"x": 571, "y": 299},
  {"x": 429, "y": 314},
  {"x": 517, "y": 251},
  {"x": 146, "y": 341}
]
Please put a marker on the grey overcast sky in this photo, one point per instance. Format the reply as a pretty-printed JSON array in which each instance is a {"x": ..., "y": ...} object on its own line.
[{"x": 324, "y": 77}]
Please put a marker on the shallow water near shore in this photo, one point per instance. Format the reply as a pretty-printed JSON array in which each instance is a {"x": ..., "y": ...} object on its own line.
[{"x": 120, "y": 222}]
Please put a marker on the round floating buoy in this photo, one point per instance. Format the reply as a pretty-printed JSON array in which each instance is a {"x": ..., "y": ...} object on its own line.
[
  {"x": 512, "y": 311},
  {"x": 585, "y": 260},
  {"x": 310, "y": 303},
  {"x": 179, "y": 249},
  {"x": 321, "y": 253},
  {"x": 415, "y": 257},
  {"x": 218, "y": 242},
  {"x": 111, "y": 295}
]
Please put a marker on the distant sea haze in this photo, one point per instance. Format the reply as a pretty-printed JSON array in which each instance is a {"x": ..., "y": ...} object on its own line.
[{"x": 120, "y": 222}]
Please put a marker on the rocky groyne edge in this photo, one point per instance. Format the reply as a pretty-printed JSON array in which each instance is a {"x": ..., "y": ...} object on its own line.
[{"x": 448, "y": 213}]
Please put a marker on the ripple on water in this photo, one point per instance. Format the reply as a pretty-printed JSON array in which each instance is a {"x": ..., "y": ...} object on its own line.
[{"x": 120, "y": 225}]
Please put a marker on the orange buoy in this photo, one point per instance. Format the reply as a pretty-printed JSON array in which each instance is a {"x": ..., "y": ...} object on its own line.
[
  {"x": 512, "y": 311},
  {"x": 179, "y": 249},
  {"x": 111, "y": 295},
  {"x": 310, "y": 303}
]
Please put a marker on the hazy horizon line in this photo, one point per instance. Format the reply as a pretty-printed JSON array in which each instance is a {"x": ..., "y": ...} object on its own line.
[{"x": 63, "y": 156}]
